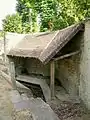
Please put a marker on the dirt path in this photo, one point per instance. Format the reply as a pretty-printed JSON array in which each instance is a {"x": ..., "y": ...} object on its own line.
[{"x": 6, "y": 107}]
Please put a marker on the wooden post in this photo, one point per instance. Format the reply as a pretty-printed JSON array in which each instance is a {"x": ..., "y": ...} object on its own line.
[
  {"x": 4, "y": 48},
  {"x": 12, "y": 71},
  {"x": 52, "y": 75}
]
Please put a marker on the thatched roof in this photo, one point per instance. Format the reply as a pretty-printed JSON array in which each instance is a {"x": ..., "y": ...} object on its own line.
[{"x": 43, "y": 46}]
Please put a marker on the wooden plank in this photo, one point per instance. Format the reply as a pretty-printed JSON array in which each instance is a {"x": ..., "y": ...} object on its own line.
[
  {"x": 12, "y": 72},
  {"x": 52, "y": 79},
  {"x": 44, "y": 86},
  {"x": 65, "y": 56}
]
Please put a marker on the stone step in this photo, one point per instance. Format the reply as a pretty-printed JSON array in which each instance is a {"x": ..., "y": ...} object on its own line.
[
  {"x": 39, "y": 109},
  {"x": 15, "y": 96},
  {"x": 23, "y": 114}
]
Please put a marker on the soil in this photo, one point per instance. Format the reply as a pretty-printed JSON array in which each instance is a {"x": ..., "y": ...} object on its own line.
[{"x": 69, "y": 111}]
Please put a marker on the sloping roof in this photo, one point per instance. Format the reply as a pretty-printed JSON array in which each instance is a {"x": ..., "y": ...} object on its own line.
[
  {"x": 44, "y": 46},
  {"x": 29, "y": 45}
]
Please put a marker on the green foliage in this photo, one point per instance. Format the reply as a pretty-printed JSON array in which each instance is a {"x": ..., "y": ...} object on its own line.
[
  {"x": 48, "y": 13},
  {"x": 13, "y": 23},
  {"x": 75, "y": 9},
  {"x": 23, "y": 10},
  {"x": 54, "y": 14},
  {"x": 1, "y": 33},
  {"x": 26, "y": 27},
  {"x": 47, "y": 9}
]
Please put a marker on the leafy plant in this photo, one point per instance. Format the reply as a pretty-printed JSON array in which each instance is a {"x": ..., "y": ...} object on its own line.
[
  {"x": 13, "y": 23},
  {"x": 53, "y": 15}
]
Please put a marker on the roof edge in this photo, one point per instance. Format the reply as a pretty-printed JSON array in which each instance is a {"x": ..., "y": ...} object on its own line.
[
  {"x": 79, "y": 27},
  {"x": 49, "y": 42}
]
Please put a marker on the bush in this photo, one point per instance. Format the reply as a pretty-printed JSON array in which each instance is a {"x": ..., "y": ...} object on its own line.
[{"x": 13, "y": 23}]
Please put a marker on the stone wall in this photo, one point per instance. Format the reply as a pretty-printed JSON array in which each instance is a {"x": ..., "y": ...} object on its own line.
[
  {"x": 36, "y": 67},
  {"x": 67, "y": 71},
  {"x": 85, "y": 66}
]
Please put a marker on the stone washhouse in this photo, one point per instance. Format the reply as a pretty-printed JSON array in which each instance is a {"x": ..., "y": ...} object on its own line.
[{"x": 43, "y": 58}]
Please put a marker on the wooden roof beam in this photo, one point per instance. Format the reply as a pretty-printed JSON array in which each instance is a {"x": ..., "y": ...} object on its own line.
[{"x": 66, "y": 55}]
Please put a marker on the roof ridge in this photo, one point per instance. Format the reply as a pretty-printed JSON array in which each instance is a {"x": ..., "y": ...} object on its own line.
[
  {"x": 58, "y": 32},
  {"x": 49, "y": 42}
]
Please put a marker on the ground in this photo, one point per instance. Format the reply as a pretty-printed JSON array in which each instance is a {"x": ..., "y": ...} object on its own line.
[
  {"x": 7, "y": 111},
  {"x": 6, "y": 108},
  {"x": 70, "y": 111},
  {"x": 64, "y": 110}
]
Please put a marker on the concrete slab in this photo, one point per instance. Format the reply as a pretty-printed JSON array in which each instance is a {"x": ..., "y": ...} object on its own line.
[
  {"x": 44, "y": 86},
  {"x": 39, "y": 109},
  {"x": 15, "y": 96},
  {"x": 5, "y": 118},
  {"x": 24, "y": 96},
  {"x": 25, "y": 104},
  {"x": 46, "y": 90}
]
